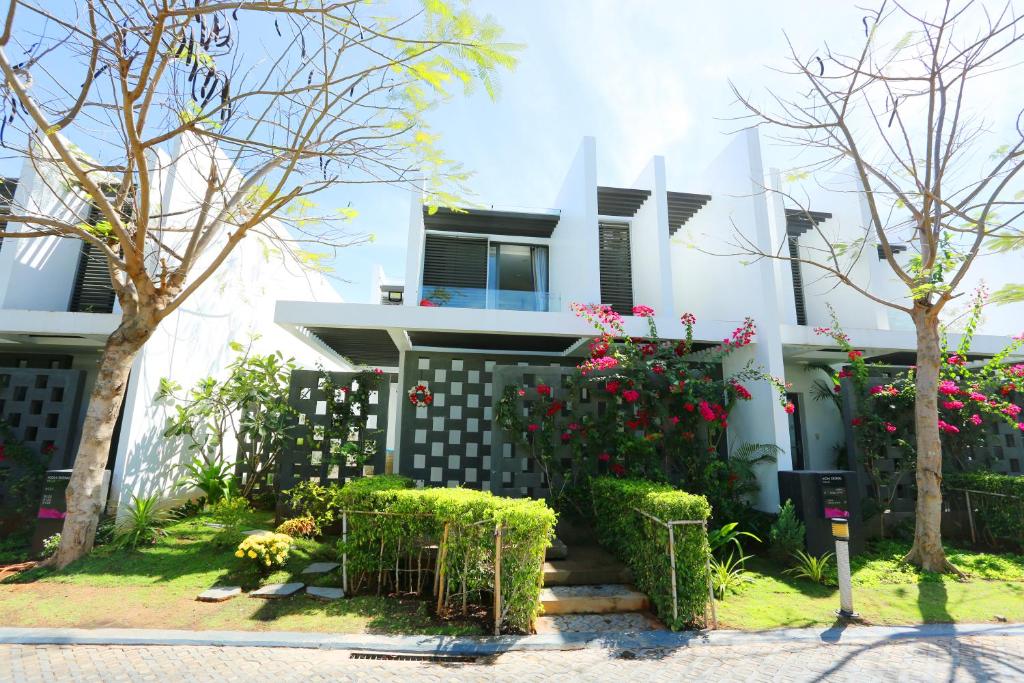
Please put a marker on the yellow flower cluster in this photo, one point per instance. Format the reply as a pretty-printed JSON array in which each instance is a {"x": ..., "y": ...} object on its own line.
[{"x": 268, "y": 550}]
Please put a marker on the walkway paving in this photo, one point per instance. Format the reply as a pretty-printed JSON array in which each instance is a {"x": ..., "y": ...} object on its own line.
[{"x": 963, "y": 658}]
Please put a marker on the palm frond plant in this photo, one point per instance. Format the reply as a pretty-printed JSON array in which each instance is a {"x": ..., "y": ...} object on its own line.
[
  {"x": 729, "y": 574},
  {"x": 213, "y": 477},
  {"x": 728, "y": 534},
  {"x": 143, "y": 522},
  {"x": 825, "y": 389},
  {"x": 810, "y": 567}
]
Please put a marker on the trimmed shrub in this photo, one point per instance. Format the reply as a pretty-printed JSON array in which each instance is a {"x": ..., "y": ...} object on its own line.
[
  {"x": 643, "y": 544},
  {"x": 389, "y": 548},
  {"x": 1000, "y": 517}
]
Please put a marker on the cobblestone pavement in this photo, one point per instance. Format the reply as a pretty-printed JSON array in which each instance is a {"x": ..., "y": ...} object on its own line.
[{"x": 969, "y": 658}]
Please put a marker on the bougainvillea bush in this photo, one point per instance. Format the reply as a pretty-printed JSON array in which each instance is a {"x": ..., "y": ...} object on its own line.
[
  {"x": 973, "y": 397},
  {"x": 666, "y": 410}
]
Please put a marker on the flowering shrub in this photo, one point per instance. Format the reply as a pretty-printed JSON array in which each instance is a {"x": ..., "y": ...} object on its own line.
[
  {"x": 971, "y": 397},
  {"x": 667, "y": 409},
  {"x": 265, "y": 550}
]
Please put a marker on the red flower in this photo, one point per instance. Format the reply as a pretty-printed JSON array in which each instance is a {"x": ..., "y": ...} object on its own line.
[
  {"x": 618, "y": 469},
  {"x": 555, "y": 407},
  {"x": 378, "y": 371},
  {"x": 948, "y": 428},
  {"x": 741, "y": 391},
  {"x": 566, "y": 436},
  {"x": 612, "y": 387},
  {"x": 857, "y": 421},
  {"x": 674, "y": 420},
  {"x": 532, "y": 427},
  {"x": 890, "y": 427},
  {"x": 975, "y": 419},
  {"x": 633, "y": 424},
  {"x": 706, "y": 412},
  {"x": 428, "y": 303},
  {"x": 682, "y": 348},
  {"x": 658, "y": 369},
  {"x": 521, "y": 392},
  {"x": 688, "y": 407},
  {"x": 604, "y": 457},
  {"x": 648, "y": 349},
  {"x": 642, "y": 311},
  {"x": 631, "y": 395},
  {"x": 855, "y": 354},
  {"x": 844, "y": 373},
  {"x": 543, "y": 390},
  {"x": 789, "y": 408},
  {"x": 955, "y": 360}
]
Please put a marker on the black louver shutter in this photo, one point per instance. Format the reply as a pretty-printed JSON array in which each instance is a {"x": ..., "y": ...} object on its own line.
[
  {"x": 798, "y": 280},
  {"x": 616, "y": 267},
  {"x": 455, "y": 271},
  {"x": 7, "y": 188},
  {"x": 93, "y": 292}
]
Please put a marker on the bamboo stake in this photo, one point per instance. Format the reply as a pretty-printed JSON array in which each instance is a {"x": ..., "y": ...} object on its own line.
[
  {"x": 439, "y": 574},
  {"x": 344, "y": 556},
  {"x": 497, "y": 579},
  {"x": 380, "y": 567},
  {"x": 672, "y": 564},
  {"x": 970, "y": 515}
]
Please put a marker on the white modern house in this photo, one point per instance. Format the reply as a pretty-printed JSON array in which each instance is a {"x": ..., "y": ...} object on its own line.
[
  {"x": 483, "y": 289},
  {"x": 57, "y": 307}
]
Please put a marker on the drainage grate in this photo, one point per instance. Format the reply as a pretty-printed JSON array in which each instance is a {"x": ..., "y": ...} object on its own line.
[{"x": 391, "y": 657}]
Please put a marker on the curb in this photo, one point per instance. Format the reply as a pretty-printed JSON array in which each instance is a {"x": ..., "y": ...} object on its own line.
[{"x": 486, "y": 646}]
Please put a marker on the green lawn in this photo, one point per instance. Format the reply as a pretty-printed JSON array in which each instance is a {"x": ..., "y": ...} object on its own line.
[
  {"x": 885, "y": 591},
  {"x": 156, "y": 587}
]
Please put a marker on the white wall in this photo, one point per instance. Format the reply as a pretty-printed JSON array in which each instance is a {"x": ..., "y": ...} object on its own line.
[
  {"x": 649, "y": 242},
  {"x": 574, "y": 257},
  {"x": 706, "y": 281},
  {"x": 38, "y": 273}
]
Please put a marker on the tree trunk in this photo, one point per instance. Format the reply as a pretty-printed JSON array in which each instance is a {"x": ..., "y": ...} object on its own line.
[
  {"x": 927, "y": 551},
  {"x": 85, "y": 489}
]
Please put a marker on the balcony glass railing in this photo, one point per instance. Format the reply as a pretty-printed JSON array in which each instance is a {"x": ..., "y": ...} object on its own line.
[{"x": 501, "y": 299}]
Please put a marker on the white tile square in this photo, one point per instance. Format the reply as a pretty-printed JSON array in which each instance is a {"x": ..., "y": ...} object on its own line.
[
  {"x": 487, "y": 413},
  {"x": 473, "y": 376},
  {"x": 436, "y": 449},
  {"x": 453, "y": 462},
  {"x": 438, "y": 424},
  {"x": 472, "y": 425},
  {"x": 489, "y": 366},
  {"x": 439, "y": 400},
  {"x": 473, "y": 401},
  {"x": 440, "y": 375},
  {"x": 487, "y": 389},
  {"x": 435, "y": 474},
  {"x": 457, "y": 364},
  {"x": 454, "y": 437},
  {"x": 487, "y": 438},
  {"x": 419, "y": 436},
  {"x": 455, "y": 412},
  {"x": 470, "y": 475},
  {"x": 423, "y": 364},
  {"x": 471, "y": 449},
  {"x": 419, "y": 461},
  {"x": 456, "y": 388}
]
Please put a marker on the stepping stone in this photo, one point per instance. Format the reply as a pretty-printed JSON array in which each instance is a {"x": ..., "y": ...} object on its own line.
[
  {"x": 219, "y": 593},
  {"x": 277, "y": 590},
  {"x": 321, "y": 568},
  {"x": 256, "y": 532},
  {"x": 600, "y": 599},
  {"x": 324, "y": 593},
  {"x": 213, "y": 525},
  {"x": 626, "y": 622}
]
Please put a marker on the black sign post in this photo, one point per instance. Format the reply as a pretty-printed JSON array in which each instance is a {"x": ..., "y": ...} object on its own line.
[
  {"x": 835, "y": 501},
  {"x": 53, "y": 506}
]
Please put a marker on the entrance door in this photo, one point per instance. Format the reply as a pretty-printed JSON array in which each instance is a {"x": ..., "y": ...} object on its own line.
[{"x": 796, "y": 432}]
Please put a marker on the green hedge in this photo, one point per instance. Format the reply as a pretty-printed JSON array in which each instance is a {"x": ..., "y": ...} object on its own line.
[
  {"x": 413, "y": 519},
  {"x": 643, "y": 544},
  {"x": 1002, "y": 518}
]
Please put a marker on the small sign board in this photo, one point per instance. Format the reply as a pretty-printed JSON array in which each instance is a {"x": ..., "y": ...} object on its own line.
[
  {"x": 834, "y": 497},
  {"x": 53, "y": 506}
]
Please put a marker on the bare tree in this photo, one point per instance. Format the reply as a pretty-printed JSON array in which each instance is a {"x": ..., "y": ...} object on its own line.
[
  {"x": 271, "y": 101},
  {"x": 906, "y": 112}
]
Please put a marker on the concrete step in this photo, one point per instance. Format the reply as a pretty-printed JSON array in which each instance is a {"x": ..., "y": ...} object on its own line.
[
  {"x": 557, "y": 550},
  {"x": 602, "y": 599},
  {"x": 627, "y": 622},
  {"x": 586, "y": 566}
]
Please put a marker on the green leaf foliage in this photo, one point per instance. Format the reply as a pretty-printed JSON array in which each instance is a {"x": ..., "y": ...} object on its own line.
[
  {"x": 643, "y": 544},
  {"x": 998, "y": 517},
  {"x": 787, "y": 533}
]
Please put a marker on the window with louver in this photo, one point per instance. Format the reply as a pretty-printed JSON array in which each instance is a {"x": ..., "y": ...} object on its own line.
[
  {"x": 7, "y": 187},
  {"x": 455, "y": 271},
  {"x": 798, "y": 280},
  {"x": 92, "y": 292},
  {"x": 616, "y": 267}
]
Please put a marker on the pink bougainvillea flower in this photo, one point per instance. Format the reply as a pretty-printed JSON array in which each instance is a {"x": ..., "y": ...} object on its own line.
[
  {"x": 1017, "y": 370},
  {"x": 952, "y": 405},
  {"x": 844, "y": 373},
  {"x": 553, "y": 408},
  {"x": 521, "y": 392},
  {"x": 977, "y": 396},
  {"x": 658, "y": 369},
  {"x": 948, "y": 387},
  {"x": 1012, "y": 410},
  {"x": 688, "y": 407},
  {"x": 642, "y": 311},
  {"x": 789, "y": 408},
  {"x": 378, "y": 371},
  {"x": 948, "y": 428},
  {"x": 631, "y": 395},
  {"x": 975, "y": 419},
  {"x": 612, "y": 387},
  {"x": 566, "y": 436},
  {"x": 604, "y": 457},
  {"x": 532, "y": 427},
  {"x": 877, "y": 389},
  {"x": 688, "y": 319},
  {"x": 741, "y": 391},
  {"x": 543, "y": 390},
  {"x": 572, "y": 426},
  {"x": 955, "y": 360},
  {"x": 706, "y": 411},
  {"x": 890, "y": 427},
  {"x": 1020, "y": 426}
]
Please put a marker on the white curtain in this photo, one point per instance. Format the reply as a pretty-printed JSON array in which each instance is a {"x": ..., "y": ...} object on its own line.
[{"x": 540, "y": 278}]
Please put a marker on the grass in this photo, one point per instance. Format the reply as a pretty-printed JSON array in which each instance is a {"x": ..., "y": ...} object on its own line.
[
  {"x": 886, "y": 591},
  {"x": 156, "y": 587}
]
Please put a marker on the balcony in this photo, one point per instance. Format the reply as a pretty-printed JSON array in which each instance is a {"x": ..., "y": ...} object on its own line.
[{"x": 498, "y": 299}]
